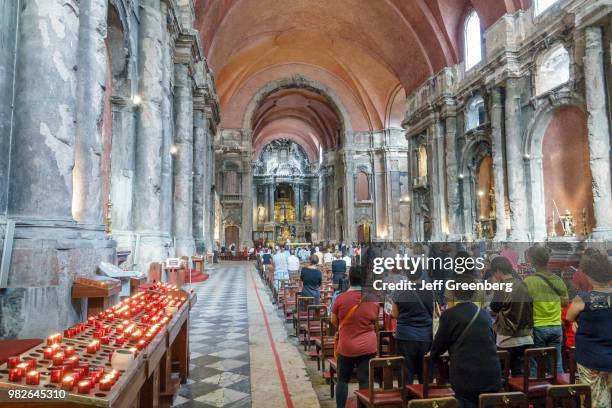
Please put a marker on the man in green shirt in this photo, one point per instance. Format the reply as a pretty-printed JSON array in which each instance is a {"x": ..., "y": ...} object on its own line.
[{"x": 549, "y": 294}]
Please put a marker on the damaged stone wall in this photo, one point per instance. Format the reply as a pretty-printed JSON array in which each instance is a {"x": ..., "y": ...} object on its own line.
[
  {"x": 515, "y": 122},
  {"x": 75, "y": 62}
]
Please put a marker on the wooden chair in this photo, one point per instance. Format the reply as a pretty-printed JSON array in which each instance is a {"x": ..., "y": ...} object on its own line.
[
  {"x": 388, "y": 394},
  {"x": 324, "y": 344},
  {"x": 503, "y": 400},
  {"x": 568, "y": 396},
  {"x": 289, "y": 302},
  {"x": 386, "y": 344},
  {"x": 436, "y": 385},
  {"x": 313, "y": 324},
  {"x": 504, "y": 361},
  {"x": 280, "y": 295},
  {"x": 535, "y": 387},
  {"x": 300, "y": 315},
  {"x": 569, "y": 377},
  {"x": 448, "y": 402}
]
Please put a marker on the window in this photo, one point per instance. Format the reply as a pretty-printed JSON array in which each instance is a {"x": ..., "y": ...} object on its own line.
[
  {"x": 363, "y": 187},
  {"x": 552, "y": 69},
  {"x": 472, "y": 41},
  {"x": 542, "y": 5},
  {"x": 231, "y": 183},
  {"x": 475, "y": 114}
]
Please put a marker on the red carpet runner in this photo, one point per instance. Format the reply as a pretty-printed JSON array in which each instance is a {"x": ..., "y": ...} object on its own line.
[{"x": 196, "y": 276}]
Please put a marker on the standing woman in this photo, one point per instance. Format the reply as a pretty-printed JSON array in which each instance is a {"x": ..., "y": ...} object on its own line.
[
  {"x": 312, "y": 278},
  {"x": 592, "y": 311},
  {"x": 356, "y": 320}
]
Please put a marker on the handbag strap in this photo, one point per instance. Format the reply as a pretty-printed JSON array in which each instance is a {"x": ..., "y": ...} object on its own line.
[
  {"x": 348, "y": 315},
  {"x": 465, "y": 331},
  {"x": 549, "y": 283}
]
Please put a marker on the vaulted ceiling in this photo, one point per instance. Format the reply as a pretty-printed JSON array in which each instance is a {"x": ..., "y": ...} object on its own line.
[{"x": 368, "y": 53}]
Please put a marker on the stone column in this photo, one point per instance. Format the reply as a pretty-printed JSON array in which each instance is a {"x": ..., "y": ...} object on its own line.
[
  {"x": 8, "y": 34},
  {"x": 200, "y": 183},
  {"x": 271, "y": 202},
  {"x": 149, "y": 140},
  {"x": 438, "y": 213},
  {"x": 349, "y": 197},
  {"x": 182, "y": 210},
  {"x": 91, "y": 86},
  {"x": 599, "y": 132},
  {"x": 247, "y": 203},
  {"x": 452, "y": 184},
  {"x": 514, "y": 162},
  {"x": 49, "y": 248},
  {"x": 497, "y": 150}
]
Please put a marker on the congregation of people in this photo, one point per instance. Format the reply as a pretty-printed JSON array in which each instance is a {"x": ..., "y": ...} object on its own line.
[{"x": 566, "y": 314}]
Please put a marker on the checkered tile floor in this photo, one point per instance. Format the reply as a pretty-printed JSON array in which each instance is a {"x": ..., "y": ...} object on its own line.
[{"x": 219, "y": 342}]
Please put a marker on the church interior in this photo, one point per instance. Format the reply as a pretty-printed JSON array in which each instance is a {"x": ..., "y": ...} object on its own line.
[{"x": 169, "y": 169}]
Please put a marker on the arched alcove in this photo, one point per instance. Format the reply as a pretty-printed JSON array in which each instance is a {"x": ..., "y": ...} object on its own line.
[{"x": 566, "y": 171}]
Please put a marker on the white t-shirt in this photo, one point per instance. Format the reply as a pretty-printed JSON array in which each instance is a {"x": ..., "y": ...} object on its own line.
[
  {"x": 347, "y": 259},
  {"x": 328, "y": 257},
  {"x": 293, "y": 263},
  {"x": 280, "y": 262}
]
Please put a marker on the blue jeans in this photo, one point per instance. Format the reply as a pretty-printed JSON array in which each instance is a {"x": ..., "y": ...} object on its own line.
[{"x": 548, "y": 336}]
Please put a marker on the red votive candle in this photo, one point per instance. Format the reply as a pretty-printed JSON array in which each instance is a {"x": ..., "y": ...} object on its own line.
[
  {"x": 83, "y": 387},
  {"x": 58, "y": 358},
  {"x": 91, "y": 320},
  {"x": 68, "y": 333},
  {"x": 105, "y": 340},
  {"x": 98, "y": 333},
  {"x": 105, "y": 384},
  {"x": 73, "y": 361},
  {"x": 33, "y": 377},
  {"x": 31, "y": 363},
  {"x": 15, "y": 374},
  {"x": 145, "y": 318},
  {"x": 48, "y": 353},
  {"x": 68, "y": 383},
  {"x": 13, "y": 361},
  {"x": 92, "y": 347},
  {"x": 57, "y": 374},
  {"x": 119, "y": 340},
  {"x": 69, "y": 351},
  {"x": 119, "y": 328},
  {"x": 141, "y": 344},
  {"x": 107, "y": 329}
]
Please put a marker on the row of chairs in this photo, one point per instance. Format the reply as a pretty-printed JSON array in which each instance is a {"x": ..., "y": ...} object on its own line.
[{"x": 312, "y": 326}]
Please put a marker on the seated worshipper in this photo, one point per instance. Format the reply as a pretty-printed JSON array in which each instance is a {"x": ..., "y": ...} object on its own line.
[
  {"x": 356, "y": 319},
  {"x": 319, "y": 255},
  {"x": 514, "y": 321},
  {"x": 328, "y": 257},
  {"x": 592, "y": 311},
  {"x": 338, "y": 267},
  {"x": 281, "y": 269},
  {"x": 466, "y": 332},
  {"x": 413, "y": 310},
  {"x": 293, "y": 264},
  {"x": 312, "y": 278}
]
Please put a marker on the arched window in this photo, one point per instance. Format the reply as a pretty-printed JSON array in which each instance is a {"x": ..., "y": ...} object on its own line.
[
  {"x": 475, "y": 113},
  {"x": 231, "y": 183},
  {"x": 552, "y": 69},
  {"x": 472, "y": 40},
  {"x": 542, "y": 5},
  {"x": 363, "y": 187}
]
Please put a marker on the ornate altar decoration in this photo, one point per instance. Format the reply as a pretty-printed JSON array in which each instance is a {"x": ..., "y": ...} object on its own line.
[
  {"x": 284, "y": 180},
  {"x": 486, "y": 228}
]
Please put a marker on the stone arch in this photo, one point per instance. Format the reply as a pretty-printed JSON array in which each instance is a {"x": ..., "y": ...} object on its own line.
[
  {"x": 297, "y": 81},
  {"x": 472, "y": 155},
  {"x": 533, "y": 156}
]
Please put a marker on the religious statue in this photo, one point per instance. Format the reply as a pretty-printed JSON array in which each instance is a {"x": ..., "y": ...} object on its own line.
[
  {"x": 261, "y": 214},
  {"x": 567, "y": 222},
  {"x": 307, "y": 211},
  {"x": 493, "y": 212}
]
